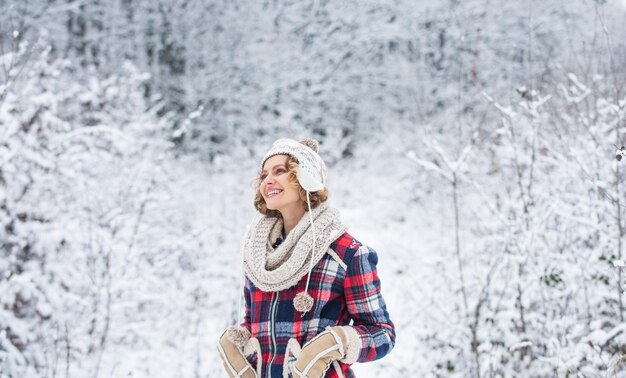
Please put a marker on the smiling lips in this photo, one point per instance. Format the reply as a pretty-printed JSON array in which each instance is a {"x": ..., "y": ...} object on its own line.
[{"x": 273, "y": 192}]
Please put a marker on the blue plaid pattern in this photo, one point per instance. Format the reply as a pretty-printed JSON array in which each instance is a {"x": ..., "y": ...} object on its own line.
[{"x": 341, "y": 296}]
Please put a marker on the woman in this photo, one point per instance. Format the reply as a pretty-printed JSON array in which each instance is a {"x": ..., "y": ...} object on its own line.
[{"x": 313, "y": 304}]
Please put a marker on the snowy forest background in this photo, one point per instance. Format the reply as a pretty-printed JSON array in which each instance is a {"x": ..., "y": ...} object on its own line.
[{"x": 471, "y": 143}]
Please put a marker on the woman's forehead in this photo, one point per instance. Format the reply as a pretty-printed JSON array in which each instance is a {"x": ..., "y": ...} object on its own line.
[{"x": 275, "y": 160}]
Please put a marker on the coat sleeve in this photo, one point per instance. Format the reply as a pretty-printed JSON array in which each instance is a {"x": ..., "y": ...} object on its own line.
[
  {"x": 367, "y": 307},
  {"x": 246, "y": 304}
]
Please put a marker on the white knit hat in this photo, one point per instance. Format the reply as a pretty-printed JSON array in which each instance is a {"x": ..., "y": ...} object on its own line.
[
  {"x": 311, "y": 167},
  {"x": 312, "y": 177}
]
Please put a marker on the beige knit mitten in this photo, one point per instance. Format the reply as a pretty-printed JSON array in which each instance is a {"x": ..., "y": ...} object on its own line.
[
  {"x": 231, "y": 346},
  {"x": 336, "y": 343}
]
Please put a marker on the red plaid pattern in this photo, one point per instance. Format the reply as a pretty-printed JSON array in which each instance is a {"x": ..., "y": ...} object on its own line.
[{"x": 341, "y": 296}]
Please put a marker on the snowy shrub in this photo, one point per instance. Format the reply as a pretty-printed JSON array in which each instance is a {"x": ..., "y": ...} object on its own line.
[
  {"x": 537, "y": 278},
  {"x": 86, "y": 187}
]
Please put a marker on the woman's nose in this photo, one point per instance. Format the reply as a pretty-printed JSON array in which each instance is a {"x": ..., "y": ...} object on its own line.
[{"x": 268, "y": 179}]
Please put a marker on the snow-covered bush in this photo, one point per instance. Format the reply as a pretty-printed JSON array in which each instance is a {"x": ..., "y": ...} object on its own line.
[
  {"x": 95, "y": 247},
  {"x": 537, "y": 277}
]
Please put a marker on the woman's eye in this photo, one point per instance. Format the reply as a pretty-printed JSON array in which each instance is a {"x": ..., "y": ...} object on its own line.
[
  {"x": 263, "y": 177},
  {"x": 280, "y": 170}
]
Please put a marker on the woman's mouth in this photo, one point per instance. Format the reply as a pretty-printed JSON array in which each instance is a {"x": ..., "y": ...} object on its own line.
[{"x": 273, "y": 193}]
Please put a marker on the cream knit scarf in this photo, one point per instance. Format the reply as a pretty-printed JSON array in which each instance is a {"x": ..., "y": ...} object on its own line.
[{"x": 279, "y": 269}]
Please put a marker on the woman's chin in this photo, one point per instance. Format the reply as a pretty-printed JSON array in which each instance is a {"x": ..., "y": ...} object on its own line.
[{"x": 271, "y": 206}]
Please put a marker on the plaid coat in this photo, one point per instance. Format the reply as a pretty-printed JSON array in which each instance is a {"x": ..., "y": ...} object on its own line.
[{"x": 343, "y": 291}]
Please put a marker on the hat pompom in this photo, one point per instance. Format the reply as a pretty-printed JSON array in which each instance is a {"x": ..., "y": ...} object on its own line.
[
  {"x": 303, "y": 302},
  {"x": 311, "y": 143},
  {"x": 238, "y": 335}
]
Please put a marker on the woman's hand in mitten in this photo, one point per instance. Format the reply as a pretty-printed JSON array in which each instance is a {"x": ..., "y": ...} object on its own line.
[
  {"x": 231, "y": 348},
  {"x": 336, "y": 343}
]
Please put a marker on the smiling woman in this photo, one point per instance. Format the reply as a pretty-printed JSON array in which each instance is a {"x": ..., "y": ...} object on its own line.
[
  {"x": 280, "y": 173},
  {"x": 312, "y": 294}
]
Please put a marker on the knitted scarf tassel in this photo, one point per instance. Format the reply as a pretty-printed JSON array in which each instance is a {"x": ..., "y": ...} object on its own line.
[{"x": 303, "y": 302}]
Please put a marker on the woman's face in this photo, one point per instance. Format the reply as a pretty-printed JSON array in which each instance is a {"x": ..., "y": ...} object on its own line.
[{"x": 278, "y": 193}]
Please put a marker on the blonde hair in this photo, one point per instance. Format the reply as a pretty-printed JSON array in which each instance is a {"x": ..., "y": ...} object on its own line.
[{"x": 316, "y": 198}]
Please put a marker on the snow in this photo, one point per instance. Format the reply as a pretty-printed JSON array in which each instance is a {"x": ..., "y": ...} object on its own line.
[{"x": 125, "y": 177}]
